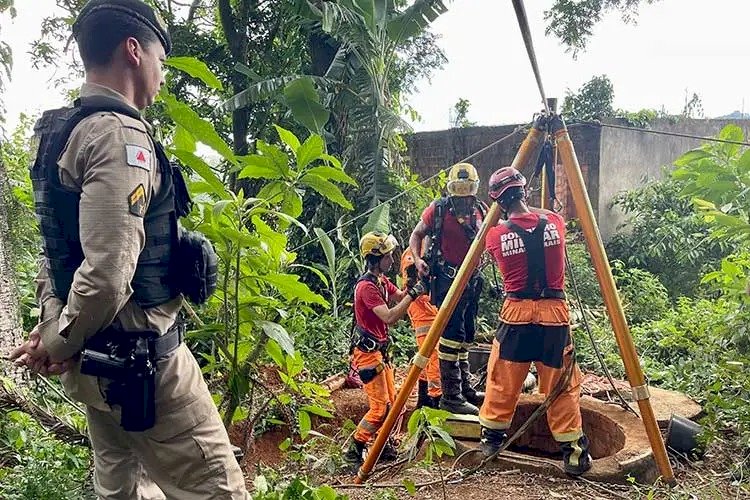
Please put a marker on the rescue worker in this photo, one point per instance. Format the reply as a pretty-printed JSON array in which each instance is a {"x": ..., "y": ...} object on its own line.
[
  {"x": 422, "y": 313},
  {"x": 372, "y": 295},
  {"x": 452, "y": 223},
  {"x": 529, "y": 248},
  {"x": 111, "y": 282}
]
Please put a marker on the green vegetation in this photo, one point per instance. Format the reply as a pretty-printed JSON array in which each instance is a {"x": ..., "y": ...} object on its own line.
[{"x": 279, "y": 153}]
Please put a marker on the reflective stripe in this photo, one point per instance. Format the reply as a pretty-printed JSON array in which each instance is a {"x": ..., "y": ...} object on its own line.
[
  {"x": 463, "y": 356},
  {"x": 369, "y": 427},
  {"x": 433, "y": 384},
  {"x": 420, "y": 361},
  {"x": 451, "y": 343},
  {"x": 567, "y": 437},
  {"x": 422, "y": 330},
  {"x": 447, "y": 357},
  {"x": 575, "y": 457},
  {"x": 491, "y": 424}
]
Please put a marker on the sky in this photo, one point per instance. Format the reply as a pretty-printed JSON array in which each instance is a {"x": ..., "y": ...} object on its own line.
[{"x": 677, "y": 47}]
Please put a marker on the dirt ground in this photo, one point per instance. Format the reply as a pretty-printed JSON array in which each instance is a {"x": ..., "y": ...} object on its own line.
[{"x": 717, "y": 476}]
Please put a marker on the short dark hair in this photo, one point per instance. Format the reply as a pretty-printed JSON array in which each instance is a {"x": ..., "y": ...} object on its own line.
[
  {"x": 102, "y": 32},
  {"x": 372, "y": 260}
]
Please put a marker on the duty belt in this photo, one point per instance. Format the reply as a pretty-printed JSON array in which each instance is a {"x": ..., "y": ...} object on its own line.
[
  {"x": 160, "y": 345},
  {"x": 547, "y": 293}
]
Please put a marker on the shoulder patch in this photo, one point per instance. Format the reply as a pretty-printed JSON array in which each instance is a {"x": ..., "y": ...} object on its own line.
[
  {"x": 138, "y": 156},
  {"x": 137, "y": 201}
]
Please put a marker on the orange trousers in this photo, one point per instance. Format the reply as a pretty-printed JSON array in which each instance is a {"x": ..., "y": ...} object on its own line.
[
  {"x": 431, "y": 372},
  {"x": 381, "y": 393},
  {"x": 505, "y": 380}
]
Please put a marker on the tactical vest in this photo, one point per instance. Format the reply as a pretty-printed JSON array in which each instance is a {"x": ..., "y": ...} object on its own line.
[
  {"x": 536, "y": 266},
  {"x": 57, "y": 208}
]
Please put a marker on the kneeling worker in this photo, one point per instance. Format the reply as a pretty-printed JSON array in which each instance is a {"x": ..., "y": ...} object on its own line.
[
  {"x": 372, "y": 295},
  {"x": 529, "y": 248},
  {"x": 422, "y": 313}
]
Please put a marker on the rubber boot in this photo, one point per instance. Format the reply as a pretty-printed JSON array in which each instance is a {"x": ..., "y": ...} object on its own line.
[
  {"x": 434, "y": 401},
  {"x": 452, "y": 399},
  {"x": 492, "y": 440},
  {"x": 576, "y": 456},
  {"x": 422, "y": 398},
  {"x": 353, "y": 455},
  {"x": 389, "y": 451},
  {"x": 472, "y": 396}
]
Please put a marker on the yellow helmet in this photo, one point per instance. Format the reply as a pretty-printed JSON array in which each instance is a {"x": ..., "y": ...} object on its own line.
[
  {"x": 463, "y": 180},
  {"x": 377, "y": 243}
]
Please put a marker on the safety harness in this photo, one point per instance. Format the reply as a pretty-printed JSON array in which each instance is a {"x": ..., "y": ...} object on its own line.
[
  {"x": 536, "y": 279},
  {"x": 361, "y": 338}
]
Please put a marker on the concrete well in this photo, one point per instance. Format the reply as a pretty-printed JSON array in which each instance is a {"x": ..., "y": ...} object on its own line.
[{"x": 619, "y": 444}]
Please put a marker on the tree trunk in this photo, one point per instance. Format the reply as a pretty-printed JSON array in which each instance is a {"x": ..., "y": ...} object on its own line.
[{"x": 10, "y": 318}]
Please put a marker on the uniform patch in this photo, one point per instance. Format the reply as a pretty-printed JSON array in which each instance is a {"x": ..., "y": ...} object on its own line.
[
  {"x": 138, "y": 156},
  {"x": 137, "y": 201}
]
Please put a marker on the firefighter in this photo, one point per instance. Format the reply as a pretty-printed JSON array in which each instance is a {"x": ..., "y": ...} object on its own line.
[
  {"x": 372, "y": 295},
  {"x": 422, "y": 313},
  {"x": 452, "y": 222},
  {"x": 529, "y": 248}
]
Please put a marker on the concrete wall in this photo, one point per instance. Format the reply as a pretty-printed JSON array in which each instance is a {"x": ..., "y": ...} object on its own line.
[
  {"x": 629, "y": 158},
  {"x": 430, "y": 152}
]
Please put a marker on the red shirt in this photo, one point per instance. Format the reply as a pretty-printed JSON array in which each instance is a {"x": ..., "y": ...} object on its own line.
[
  {"x": 454, "y": 243},
  {"x": 506, "y": 247},
  {"x": 368, "y": 296}
]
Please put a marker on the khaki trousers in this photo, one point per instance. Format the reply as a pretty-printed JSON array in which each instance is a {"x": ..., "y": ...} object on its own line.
[{"x": 180, "y": 462}]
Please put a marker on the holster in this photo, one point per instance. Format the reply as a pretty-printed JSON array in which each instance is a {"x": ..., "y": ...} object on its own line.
[{"x": 129, "y": 359}]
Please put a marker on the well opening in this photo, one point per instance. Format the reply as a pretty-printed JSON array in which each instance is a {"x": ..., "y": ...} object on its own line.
[{"x": 605, "y": 435}]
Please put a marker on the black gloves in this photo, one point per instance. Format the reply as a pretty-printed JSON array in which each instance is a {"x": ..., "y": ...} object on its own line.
[{"x": 416, "y": 290}]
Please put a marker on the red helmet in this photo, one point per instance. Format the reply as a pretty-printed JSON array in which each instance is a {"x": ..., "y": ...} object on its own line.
[{"x": 503, "y": 179}]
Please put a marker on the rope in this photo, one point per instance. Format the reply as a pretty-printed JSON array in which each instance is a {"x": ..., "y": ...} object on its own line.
[
  {"x": 402, "y": 193},
  {"x": 523, "y": 23},
  {"x": 660, "y": 132},
  {"x": 598, "y": 352}
]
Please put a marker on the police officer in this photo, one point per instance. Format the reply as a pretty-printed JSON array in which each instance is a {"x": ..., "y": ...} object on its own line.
[
  {"x": 529, "y": 248},
  {"x": 452, "y": 223},
  {"x": 108, "y": 200}
]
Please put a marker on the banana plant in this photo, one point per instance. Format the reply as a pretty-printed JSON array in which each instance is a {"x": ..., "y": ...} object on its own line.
[{"x": 356, "y": 84}]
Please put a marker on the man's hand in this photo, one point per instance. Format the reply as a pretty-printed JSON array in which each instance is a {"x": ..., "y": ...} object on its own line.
[
  {"x": 33, "y": 356},
  {"x": 422, "y": 268}
]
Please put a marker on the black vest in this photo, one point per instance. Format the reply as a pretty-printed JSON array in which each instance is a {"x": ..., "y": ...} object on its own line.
[{"x": 57, "y": 209}]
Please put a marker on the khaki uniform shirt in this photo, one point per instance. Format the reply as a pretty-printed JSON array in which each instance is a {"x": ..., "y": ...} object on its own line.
[{"x": 98, "y": 162}]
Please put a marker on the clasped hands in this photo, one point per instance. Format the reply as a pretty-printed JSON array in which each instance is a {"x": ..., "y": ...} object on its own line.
[{"x": 33, "y": 355}]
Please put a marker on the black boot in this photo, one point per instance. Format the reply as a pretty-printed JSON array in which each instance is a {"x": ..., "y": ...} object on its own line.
[
  {"x": 492, "y": 440},
  {"x": 389, "y": 451},
  {"x": 576, "y": 456},
  {"x": 452, "y": 399},
  {"x": 422, "y": 398},
  {"x": 434, "y": 401},
  {"x": 472, "y": 396},
  {"x": 353, "y": 455}
]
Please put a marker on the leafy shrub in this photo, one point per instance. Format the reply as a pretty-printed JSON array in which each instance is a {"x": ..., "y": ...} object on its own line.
[
  {"x": 46, "y": 469},
  {"x": 691, "y": 350},
  {"x": 643, "y": 296},
  {"x": 323, "y": 342},
  {"x": 664, "y": 235}
]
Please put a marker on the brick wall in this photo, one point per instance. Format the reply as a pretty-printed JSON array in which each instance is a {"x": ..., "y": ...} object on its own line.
[{"x": 431, "y": 151}]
